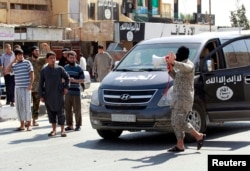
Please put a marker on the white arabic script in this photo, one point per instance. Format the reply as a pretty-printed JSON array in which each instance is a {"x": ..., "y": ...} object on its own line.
[
  {"x": 223, "y": 79},
  {"x": 124, "y": 77},
  {"x": 130, "y": 26}
]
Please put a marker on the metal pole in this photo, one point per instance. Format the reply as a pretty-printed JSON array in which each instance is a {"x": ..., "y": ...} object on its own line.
[
  {"x": 238, "y": 18},
  {"x": 112, "y": 10},
  {"x": 210, "y": 15}
]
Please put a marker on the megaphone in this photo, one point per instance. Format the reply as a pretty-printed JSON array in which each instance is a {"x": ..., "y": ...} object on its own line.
[{"x": 159, "y": 60}]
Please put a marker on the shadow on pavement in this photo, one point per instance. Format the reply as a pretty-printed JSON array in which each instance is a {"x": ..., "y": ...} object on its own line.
[
  {"x": 133, "y": 141},
  {"x": 156, "y": 159},
  {"x": 37, "y": 137},
  {"x": 159, "y": 141}
]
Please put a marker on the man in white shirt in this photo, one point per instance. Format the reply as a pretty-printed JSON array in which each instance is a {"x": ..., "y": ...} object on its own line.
[{"x": 83, "y": 63}]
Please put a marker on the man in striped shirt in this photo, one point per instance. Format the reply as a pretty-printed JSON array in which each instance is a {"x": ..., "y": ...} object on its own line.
[
  {"x": 72, "y": 98},
  {"x": 24, "y": 77}
]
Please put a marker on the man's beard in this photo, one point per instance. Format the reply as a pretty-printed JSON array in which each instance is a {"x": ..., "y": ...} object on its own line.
[
  {"x": 71, "y": 63},
  {"x": 35, "y": 56}
]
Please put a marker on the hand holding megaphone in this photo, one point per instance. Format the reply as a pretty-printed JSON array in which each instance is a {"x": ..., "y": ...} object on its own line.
[
  {"x": 170, "y": 59},
  {"x": 159, "y": 60},
  {"x": 167, "y": 60}
]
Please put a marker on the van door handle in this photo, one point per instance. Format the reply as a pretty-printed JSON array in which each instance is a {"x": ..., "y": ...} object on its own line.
[{"x": 247, "y": 79}]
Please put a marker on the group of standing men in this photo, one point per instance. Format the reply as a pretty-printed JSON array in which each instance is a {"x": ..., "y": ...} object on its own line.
[
  {"x": 39, "y": 78},
  {"x": 58, "y": 86}
]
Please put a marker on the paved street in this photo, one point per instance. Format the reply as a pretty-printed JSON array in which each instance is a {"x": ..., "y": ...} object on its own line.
[{"x": 85, "y": 150}]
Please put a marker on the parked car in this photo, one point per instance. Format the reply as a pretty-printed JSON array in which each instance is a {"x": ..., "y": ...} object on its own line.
[
  {"x": 87, "y": 81},
  {"x": 136, "y": 97},
  {"x": 2, "y": 88}
]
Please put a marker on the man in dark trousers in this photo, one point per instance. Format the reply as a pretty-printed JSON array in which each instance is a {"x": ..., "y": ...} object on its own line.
[
  {"x": 53, "y": 85},
  {"x": 72, "y": 98},
  {"x": 6, "y": 59},
  {"x": 37, "y": 63}
]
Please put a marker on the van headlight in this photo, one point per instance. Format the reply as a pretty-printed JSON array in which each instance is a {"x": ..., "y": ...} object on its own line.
[
  {"x": 95, "y": 98},
  {"x": 166, "y": 98}
]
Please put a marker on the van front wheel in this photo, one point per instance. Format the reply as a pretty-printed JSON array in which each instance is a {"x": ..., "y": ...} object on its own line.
[
  {"x": 109, "y": 134},
  {"x": 197, "y": 118}
]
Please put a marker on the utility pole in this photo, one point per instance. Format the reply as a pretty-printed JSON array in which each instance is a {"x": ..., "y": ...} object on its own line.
[
  {"x": 210, "y": 15},
  {"x": 112, "y": 10}
]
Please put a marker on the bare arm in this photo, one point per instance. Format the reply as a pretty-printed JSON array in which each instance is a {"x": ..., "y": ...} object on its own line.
[
  {"x": 76, "y": 80},
  {"x": 9, "y": 68},
  {"x": 31, "y": 80}
]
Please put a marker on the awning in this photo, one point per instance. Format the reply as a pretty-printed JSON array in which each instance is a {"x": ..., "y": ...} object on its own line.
[{"x": 124, "y": 18}]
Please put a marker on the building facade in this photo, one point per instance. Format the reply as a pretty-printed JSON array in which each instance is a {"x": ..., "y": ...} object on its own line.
[{"x": 83, "y": 24}]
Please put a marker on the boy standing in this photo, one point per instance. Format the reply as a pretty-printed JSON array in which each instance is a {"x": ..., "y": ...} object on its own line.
[
  {"x": 24, "y": 77},
  {"x": 53, "y": 85}
]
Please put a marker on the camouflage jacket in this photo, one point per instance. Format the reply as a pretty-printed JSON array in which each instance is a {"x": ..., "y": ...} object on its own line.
[
  {"x": 37, "y": 65},
  {"x": 183, "y": 88}
]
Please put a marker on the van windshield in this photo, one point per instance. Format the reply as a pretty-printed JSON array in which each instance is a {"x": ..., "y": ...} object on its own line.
[{"x": 140, "y": 58}]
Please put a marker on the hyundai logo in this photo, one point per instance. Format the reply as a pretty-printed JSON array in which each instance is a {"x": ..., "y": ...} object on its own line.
[{"x": 125, "y": 97}]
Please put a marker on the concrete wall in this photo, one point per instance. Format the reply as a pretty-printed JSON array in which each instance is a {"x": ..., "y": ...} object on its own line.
[
  {"x": 98, "y": 31},
  {"x": 44, "y": 34},
  {"x": 3, "y": 16},
  {"x": 15, "y": 16},
  {"x": 60, "y": 13},
  {"x": 29, "y": 17}
]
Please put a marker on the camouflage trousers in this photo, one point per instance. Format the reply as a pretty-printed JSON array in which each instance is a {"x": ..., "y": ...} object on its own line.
[
  {"x": 179, "y": 122},
  {"x": 35, "y": 106}
]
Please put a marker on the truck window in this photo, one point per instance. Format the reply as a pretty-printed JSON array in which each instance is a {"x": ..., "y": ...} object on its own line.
[
  {"x": 214, "y": 58},
  {"x": 130, "y": 61},
  {"x": 248, "y": 45},
  {"x": 236, "y": 54}
]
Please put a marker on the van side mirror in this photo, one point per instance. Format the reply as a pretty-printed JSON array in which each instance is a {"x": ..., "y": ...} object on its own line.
[{"x": 209, "y": 65}]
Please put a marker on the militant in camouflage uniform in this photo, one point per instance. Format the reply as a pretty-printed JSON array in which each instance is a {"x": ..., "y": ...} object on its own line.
[
  {"x": 182, "y": 71},
  {"x": 183, "y": 96},
  {"x": 38, "y": 63}
]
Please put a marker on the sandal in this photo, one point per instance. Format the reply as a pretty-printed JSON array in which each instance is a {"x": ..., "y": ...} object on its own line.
[
  {"x": 63, "y": 134},
  {"x": 29, "y": 128},
  {"x": 69, "y": 129},
  {"x": 201, "y": 142},
  {"x": 20, "y": 129},
  {"x": 52, "y": 134},
  {"x": 35, "y": 124},
  {"x": 175, "y": 149}
]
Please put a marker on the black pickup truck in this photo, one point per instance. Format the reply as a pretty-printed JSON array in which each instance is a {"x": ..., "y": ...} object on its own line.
[{"x": 135, "y": 96}]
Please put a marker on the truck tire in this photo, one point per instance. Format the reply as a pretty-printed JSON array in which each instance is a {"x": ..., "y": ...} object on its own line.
[
  {"x": 109, "y": 134},
  {"x": 198, "y": 119}
]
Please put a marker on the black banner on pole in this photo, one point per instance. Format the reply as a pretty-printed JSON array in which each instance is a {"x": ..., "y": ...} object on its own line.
[{"x": 132, "y": 31}]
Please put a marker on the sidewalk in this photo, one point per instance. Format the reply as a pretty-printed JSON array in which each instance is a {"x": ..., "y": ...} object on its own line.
[{"x": 9, "y": 113}]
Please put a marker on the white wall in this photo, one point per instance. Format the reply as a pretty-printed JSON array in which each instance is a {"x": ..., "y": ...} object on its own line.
[
  {"x": 44, "y": 34},
  {"x": 154, "y": 30},
  {"x": 7, "y": 33}
]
